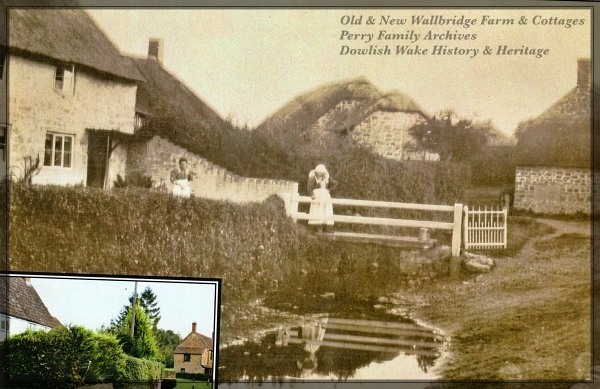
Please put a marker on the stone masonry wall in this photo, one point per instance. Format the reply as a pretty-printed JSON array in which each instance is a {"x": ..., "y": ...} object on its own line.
[
  {"x": 194, "y": 366},
  {"x": 36, "y": 108},
  {"x": 158, "y": 157},
  {"x": 385, "y": 131},
  {"x": 553, "y": 190}
]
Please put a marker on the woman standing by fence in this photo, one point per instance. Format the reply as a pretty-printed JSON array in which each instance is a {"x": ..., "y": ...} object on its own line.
[{"x": 321, "y": 210}]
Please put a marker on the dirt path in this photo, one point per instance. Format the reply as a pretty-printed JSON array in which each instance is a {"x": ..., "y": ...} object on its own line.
[{"x": 528, "y": 319}]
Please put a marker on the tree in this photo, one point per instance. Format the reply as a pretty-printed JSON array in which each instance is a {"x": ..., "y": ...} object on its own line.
[
  {"x": 167, "y": 341},
  {"x": 453, "y": 138},
  {"x": 143, "y": 343},
  {"x": 148, "y": 302}
]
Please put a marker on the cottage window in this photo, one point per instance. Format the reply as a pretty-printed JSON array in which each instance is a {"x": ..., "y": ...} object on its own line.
[
  {"x": 187, "y": 357},
  {"x": 63, "y": 79},
  {"x": 58, "y": 150},
  {"x": 3, "y": 143},
  {"x": 2, "y": 325},
  {"x": 139, "y": 121},
  {"x": 182, "y": 370},
  {"x": 2, "y": 61}
]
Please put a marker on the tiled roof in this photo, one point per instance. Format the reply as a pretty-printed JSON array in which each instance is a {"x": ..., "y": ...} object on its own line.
[
  {"x": 194, "y": 343},
  {"x": 24, "y": 302}
]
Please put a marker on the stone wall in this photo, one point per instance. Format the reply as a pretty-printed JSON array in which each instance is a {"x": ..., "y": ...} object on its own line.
[
  {"x": 385, "y": 131},
  {"x": 553, "y": 190},
  {"x": 193, "y": 366},
  {"x": 36, "y": 107},
  {"x": 158, "y": 157}
]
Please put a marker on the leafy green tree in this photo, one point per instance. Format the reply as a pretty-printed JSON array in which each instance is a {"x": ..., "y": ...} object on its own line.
[
  {"x": 455, "y": 139},
  {"x": 142, "y": 344},
  {"x": 167, "y": 341}
]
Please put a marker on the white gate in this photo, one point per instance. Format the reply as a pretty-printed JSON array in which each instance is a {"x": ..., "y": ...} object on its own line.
[{"x": 485, "y": 229}]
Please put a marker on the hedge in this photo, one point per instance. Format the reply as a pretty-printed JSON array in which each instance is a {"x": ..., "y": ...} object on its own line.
[
  {"x": 199, "y": 377},
  {"x": 142, "y": 370},
  {"x": 64, "y": 357}
]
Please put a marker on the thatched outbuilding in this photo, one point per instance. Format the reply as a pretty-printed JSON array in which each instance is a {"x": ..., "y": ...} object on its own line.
[
  {"x": 352, "y": 107},
  {"x": 554, "y": 154}
]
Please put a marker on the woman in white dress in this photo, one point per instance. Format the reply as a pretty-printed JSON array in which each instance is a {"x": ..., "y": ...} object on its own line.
[
  {"x": 321, "y": 209},
  {"x": 180, "y": 178}
]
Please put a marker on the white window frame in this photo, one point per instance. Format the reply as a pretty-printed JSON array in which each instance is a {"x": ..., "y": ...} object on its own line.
[
  {"x": 64, "y": 78},
  {"x": 52, "y": 160}
]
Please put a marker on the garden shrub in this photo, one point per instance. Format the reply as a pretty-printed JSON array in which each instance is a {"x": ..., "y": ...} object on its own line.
[
  {"x": 142, "y": 370},
  {"x": 64, "y": 357}
]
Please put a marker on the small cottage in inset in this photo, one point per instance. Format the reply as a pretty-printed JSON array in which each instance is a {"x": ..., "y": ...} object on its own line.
[
  {"x": 21, "y": 308},
  {"x": 194, "y": 354},
  {"x": 553, "y": 155}
]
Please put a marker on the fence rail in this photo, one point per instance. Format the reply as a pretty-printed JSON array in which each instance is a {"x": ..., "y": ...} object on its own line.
[
  {"x": 485, "y": 229},
  {"x": 293, "y": 199}
]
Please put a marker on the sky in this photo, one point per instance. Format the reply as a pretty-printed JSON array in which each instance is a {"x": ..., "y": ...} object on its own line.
[
  {"x": 93, "y": 302},
  {"x": 247, "y": 63}
]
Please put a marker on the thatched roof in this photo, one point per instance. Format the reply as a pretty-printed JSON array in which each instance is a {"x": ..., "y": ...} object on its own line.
[
  {"x": 66, "y": 35},
  {"x": 24, "y": 302},
  {"x": 306, "y": 109},
  {"x": 28, "y": 3},
  {"x": 163, "y": 95},
  {"x": 175, "y": 112},
  {"x": 561, "y": 135}
]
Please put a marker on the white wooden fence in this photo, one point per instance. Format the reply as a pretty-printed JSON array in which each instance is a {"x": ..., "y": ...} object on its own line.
[
  {"x": 485, "y": 229},
  {"x": 293, "y": 199}
]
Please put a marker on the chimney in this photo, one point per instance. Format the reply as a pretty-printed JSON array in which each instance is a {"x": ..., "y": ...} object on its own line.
[
  {"x": 584, "y": 73},
  {"x": 155, "y": 49},
  {"x": 194, "y": 327}
]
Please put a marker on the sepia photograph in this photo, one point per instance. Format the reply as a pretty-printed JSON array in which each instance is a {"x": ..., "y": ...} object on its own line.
[{"x": 387, "y": 194}]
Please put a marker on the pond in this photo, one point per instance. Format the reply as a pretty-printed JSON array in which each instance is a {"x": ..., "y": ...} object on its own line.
[
  {"x": 367, "y": 342},
  {"x": 353, "y": 321}
]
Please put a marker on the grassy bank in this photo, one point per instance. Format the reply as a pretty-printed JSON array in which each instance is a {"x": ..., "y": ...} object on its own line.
[{"x": 139, "y": 232}]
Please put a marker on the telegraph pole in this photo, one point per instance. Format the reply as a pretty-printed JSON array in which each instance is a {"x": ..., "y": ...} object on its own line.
[{"x": 133, "y": 310}]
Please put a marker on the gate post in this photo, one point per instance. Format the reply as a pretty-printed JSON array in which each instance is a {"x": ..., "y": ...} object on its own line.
[
  {"x": 294, "y": 203},
  {"x": 456, "y": 238}
]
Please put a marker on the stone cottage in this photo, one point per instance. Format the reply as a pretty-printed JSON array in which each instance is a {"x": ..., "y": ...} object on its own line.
[
  {"x": 194, "y": 354},
  {"x": 21, "y": 308},
  {"x": 553, "y": 155},
  {"x": 90, "y": 116},
  {"x": 72, "y": 98},
  {"x": 356, "y": 108}
]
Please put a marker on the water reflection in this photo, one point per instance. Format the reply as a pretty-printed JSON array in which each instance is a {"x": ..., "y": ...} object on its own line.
[{"x": 335, "y": 349}]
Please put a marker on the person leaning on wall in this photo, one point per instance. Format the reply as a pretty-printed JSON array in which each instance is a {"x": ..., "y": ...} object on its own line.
[{"x": 180, "y": 178}]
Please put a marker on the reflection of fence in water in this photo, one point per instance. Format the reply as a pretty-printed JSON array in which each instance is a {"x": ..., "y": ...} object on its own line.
[{"x": 391, "y": 337}]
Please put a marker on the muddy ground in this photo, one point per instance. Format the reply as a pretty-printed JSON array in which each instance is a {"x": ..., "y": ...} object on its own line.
[{"x": 529, "y": 319}]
